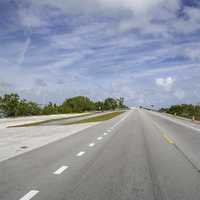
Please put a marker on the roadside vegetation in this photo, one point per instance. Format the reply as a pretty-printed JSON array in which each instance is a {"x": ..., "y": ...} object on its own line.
[
  {"x": 98, "y": 118},
  {"x": 11, "y": 105},
  {"x": 184, "y": 110}
]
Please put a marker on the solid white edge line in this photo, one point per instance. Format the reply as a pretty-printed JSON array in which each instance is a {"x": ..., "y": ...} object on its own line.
[
  {"x": 175, "y": 121},
  {"x": 60, "y": 170},
  {"x": 29, "y": 195},
  {"x": 80, "y": 153}
]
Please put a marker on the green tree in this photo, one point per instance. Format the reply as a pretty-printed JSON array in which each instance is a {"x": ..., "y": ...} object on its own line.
[
  {"x": 27, "y": 108},
  {"x": 9, "y": 104},
  {"x": 110, "y": 104},
  {"x": 12, "y": 106},
  {"x": 78, "y": 104},
  {"x": 50, "y": 109},
  {"x": 99, "y": 106}
]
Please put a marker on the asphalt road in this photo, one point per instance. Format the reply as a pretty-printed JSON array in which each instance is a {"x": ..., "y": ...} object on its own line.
[{"x": 137, "y": 155}]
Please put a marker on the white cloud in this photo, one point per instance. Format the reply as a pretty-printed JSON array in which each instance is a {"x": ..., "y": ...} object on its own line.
[
  {"x": 193, "y": 53},
  {"x": 189, "y": 24},
  {"x": 166, "y": 83},
  {"x": 31, "y": 17},
  {"x": 140, "y": 12},
  {"x": 138, "y": 7},
  {"x": 137, "y": 14},
  {"x": 95, "y": 47},
  {"x": 193, "y": 13},
  {"x": 179, "y": 93}
]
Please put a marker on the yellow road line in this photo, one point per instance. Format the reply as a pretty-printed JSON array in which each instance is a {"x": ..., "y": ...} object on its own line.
[
  {"x": 165, "y": 136},
  {"x": 168, "y": 139}
]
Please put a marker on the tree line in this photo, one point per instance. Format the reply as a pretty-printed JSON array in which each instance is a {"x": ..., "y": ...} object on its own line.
[
  {"x": 184, "y": 110},
  {"x": 11, "y": 105}
]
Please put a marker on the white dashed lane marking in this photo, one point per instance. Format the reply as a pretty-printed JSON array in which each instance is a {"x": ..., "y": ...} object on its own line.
[
  {"x": 60, "y": 170},
  {"x": 99, "y": 138},
  {"x": 30, "y": 195},
  {"x": 91, "y": 145},
  {"x": 80, "y": 153}
]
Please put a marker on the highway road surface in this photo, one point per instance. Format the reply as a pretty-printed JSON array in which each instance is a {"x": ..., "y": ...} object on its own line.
[{"x": 139, "y": 155}]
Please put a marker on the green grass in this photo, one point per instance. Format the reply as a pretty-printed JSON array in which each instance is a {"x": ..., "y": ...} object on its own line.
[{"x": 98, "y": 118}]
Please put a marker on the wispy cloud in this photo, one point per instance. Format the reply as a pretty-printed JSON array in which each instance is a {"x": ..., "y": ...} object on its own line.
[{"x": 131, "y": 48}]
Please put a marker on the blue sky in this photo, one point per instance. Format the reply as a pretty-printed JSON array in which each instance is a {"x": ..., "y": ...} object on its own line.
[{"x": 147, "y": 51}]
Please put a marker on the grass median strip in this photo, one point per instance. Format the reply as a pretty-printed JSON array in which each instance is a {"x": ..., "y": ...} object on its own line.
[
  {"x": 98, "y": 118},
  {"x": 48, "y": 121}
]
